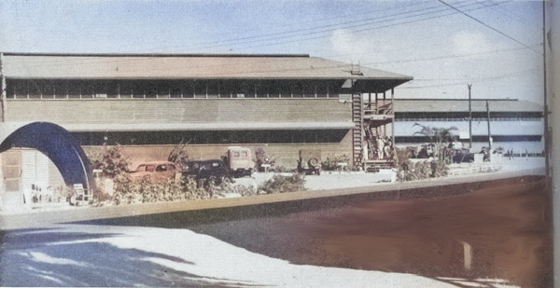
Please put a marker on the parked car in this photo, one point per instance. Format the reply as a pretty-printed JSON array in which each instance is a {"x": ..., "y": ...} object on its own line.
[
  {"x": 155, "y": 170},
  {"x": 239, "y": 161},
  {"x": 462, "y": 156},
  {"x": 465, "y": 156},
  {"x": 214, "y": 169}
]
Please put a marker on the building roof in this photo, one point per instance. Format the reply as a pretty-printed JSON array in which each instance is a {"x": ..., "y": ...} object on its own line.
[
  {"x": 170, "y": 66},
  {"x": 462, "y": 105}
]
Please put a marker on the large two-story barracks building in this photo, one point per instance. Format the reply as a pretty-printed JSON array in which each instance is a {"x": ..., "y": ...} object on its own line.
[{"x": 150, "y": 103}]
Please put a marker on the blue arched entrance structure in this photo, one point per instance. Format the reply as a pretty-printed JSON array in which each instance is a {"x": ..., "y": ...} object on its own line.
[{"x": 59, "y": 145}]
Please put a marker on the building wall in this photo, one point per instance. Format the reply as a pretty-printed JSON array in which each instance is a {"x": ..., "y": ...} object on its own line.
[
  {"x": 21, "y": 167},
  {"x": 11, "y": 166},
  {"x": 479, "y": 128},
  {"x": 286, "y": 155},
  {"x": 126, "y": 111},
  {"x": 12, "y": 198},
  {"x": 138, "y": 111},
  {"x": 520, "y": 136}
]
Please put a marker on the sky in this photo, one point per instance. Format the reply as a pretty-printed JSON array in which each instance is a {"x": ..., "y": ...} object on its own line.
[{"x": 494, "y": 45}]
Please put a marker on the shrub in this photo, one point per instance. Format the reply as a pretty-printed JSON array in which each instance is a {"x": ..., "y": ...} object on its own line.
[
  {"x": 331, "y": 164},
  {"x": 263, "y": 158},
  {"x": 129, "y": 192},
  {"x": 439, "y": 168},
  {"x": 409, "y": 171},
  {"x": 282, "y": 184},
  {"x": 229, "y": 187}
]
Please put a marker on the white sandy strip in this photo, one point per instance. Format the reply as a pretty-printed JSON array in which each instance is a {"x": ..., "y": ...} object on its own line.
[{"x": 214, "y": 260}]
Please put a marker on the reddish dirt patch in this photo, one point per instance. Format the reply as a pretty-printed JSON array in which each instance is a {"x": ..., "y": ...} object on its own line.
[{"x": 506, "y": 223}]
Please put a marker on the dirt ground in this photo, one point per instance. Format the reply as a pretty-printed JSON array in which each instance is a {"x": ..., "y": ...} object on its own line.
[{"x": 505, "y": 223}]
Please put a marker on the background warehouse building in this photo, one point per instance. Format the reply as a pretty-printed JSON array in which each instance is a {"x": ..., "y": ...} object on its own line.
[{"x": 514, "y": 125}]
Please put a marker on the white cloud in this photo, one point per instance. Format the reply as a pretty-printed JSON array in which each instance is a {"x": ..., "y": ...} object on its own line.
[
  {"x": 342, "y": 42},
  {"x": 466, "y": 42},
  {"x": 351, "y": 47}
]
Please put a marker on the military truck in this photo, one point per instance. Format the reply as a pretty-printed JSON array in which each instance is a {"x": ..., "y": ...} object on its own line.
[
  {"x": 309, "y": 161},
  {"x": 239, "y": 160}
]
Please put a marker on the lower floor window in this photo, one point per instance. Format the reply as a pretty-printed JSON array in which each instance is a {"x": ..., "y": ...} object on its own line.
[{"x": 211, "y": 137}]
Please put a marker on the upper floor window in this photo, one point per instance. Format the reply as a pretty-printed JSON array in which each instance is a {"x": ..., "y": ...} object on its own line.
[{"x": 168, "y": 89}]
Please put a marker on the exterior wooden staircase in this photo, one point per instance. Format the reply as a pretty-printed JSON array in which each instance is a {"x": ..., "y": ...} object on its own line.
[{"x": 357, "y": 131}]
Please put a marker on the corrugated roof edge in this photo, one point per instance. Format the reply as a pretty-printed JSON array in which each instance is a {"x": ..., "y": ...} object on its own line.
[{"x": 156, "y": 55}]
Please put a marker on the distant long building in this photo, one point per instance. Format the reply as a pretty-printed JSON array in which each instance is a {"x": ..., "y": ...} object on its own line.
[{"x": 514, "y": 124}]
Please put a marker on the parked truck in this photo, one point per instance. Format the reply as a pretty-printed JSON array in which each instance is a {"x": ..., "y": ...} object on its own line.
[{"x": 239, "y": 160}]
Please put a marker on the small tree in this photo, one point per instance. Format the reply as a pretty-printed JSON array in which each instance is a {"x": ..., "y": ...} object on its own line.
[
  {"x": 113, "y": 165},
  {"x": 441, "y": 137},
  {"x": 179, "y": 155},
  {"x": 112, "y": 161}
]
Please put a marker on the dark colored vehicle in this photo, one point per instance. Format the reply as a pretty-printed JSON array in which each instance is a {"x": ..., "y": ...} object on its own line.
[
  {"x": 462, "y": 157},
  {"x": 309, "y": 161},
  {"x": 214, "y": 170}
]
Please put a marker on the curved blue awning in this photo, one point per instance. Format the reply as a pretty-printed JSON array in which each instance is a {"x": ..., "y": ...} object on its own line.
[{"x": 55, "y": 142}]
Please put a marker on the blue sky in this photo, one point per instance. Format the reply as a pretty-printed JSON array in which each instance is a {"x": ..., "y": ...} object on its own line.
[{"x": 494, "y": 45}]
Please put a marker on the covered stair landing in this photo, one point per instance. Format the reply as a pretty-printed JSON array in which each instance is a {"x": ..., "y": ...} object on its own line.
[{"x": 373, "y": 136}]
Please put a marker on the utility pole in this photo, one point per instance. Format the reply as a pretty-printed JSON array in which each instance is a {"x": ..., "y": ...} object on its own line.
[
  {"x": 488, "y": 121},
  {"x": 489, "y": 135},
  {"x": 545, "y": 112},
  {"x": 470, "y": 118},
  {"x": 3, "y": 89}
]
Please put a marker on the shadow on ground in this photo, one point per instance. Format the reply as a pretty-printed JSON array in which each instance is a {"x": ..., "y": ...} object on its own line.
[{"x": 52, "y": 257}]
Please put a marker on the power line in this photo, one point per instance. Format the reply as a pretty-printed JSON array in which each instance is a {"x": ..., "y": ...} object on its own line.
[
  {"x": 490, "y": 27},
  {"x": 390, "y": 23},
  {"x": 299, "y": 29},
  {"x": 322, "y": 31},
  {"x": 443, "y": 57},
  {"x": 458, "y": 82}
]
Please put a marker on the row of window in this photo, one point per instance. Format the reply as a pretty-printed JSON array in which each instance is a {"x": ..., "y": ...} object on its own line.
[
  {"x": 211, "y": 137},
  {"x": 475, "y": 138},
  {"x": 466, "y": 119},
  {"x": 166, "y": 96},
  {"x": 78, "y": 89}
]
